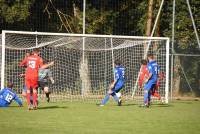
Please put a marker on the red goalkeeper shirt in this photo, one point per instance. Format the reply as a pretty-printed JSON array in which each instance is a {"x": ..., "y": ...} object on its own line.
[
  {"x": 144, "y": 73},
  {"x": 33, "y": 63}
]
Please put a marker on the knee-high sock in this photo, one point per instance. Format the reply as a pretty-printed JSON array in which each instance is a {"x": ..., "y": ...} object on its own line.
[
  {"x": 28, "y": 98},
  {"x": 149, "y": 97},
  {"x": 146, "y": 96},
  {"x": 35, "y": 99},
  {"x": 115, "y": 98},
  {"x": 47, "y": 95},
  {"x": 106, "y": 98}
]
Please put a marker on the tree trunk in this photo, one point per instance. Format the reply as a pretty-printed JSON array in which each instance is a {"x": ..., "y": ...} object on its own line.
[
  {"x": 149, "y": 18},
  {"x": 177, "y": 77},
  {"x": 148, "y": 23}
]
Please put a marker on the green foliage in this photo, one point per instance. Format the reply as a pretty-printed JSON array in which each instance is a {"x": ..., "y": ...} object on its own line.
[{"x": 15, "y": 10}]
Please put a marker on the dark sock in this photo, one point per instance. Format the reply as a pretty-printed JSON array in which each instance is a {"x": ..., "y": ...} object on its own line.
[{"x": 47, "y": 95}]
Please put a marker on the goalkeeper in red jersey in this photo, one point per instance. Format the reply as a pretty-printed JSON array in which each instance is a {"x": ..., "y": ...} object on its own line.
[{"x": 142, "y": 78}]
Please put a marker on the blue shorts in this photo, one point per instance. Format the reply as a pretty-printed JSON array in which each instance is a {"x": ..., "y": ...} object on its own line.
[
  {"x": 118, "y": 87},
  {"x": 149, "y": 85}
]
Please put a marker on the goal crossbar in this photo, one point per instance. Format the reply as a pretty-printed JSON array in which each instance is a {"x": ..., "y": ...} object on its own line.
[{"x": 86, "y": 35}]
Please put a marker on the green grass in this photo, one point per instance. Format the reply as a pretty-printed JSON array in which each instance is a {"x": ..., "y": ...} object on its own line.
[{"x": 180, "y": 117}]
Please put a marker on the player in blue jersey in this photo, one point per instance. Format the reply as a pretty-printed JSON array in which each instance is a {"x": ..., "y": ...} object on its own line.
[
  {"x": 151, "y": 80},
  {"x": 7, "y": 96},
  {"x": 117, "y": 85}
]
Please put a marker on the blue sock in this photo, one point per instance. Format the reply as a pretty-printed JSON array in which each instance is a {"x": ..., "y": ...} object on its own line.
[
  {"x": 105, "y": 99},
  {"x": 116, "y": 98},
  {"x": 149, "y": 96},
  {"x": 146, "y": 95}
]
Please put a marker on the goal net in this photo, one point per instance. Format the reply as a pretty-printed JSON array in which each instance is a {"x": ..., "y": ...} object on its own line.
[{"x": 84, "y": 64}]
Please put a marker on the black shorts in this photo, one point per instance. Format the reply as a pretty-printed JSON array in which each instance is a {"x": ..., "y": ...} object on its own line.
[{"x": 42, "y": 84}]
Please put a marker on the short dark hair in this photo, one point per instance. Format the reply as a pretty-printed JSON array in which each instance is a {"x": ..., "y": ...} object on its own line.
[
  {"x": 144, "y": 62},
  {"x": 150, "y": 56},
  {"x": 117, "y": 62},
  {"x": 10, "y": 85},
  {"x": 36, "y": 50}
]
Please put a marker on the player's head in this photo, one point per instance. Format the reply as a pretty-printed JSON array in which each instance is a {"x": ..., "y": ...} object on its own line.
[
  {"x": 36, "y": 51},
  {"x": 117, "y": 62},
  {"x": 28, "y": 54},
  {"x": 144, "y": 62},
  {"x": 10, "y": 85},
  {"x": 150, "y": 57}
]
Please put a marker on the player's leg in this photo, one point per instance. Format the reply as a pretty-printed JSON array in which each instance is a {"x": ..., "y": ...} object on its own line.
[
  {"x": 156, "y": 93},
  {"x": 147, "y": 88},
  {"x": 24, "y": 91},
  {"x": 28, "y": 86},
  {"x": 117, "y": 89},
  {"x": 105, "y": 100},
  {"x": 34, "y": 86},
  {"x": 46, "y": 91},
  {"x": 150, "y": 93},
  {"x": 113, "y": 92}
]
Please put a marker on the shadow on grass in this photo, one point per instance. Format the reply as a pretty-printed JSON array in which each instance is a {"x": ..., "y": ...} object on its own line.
[
  {"x": 13, "y": 106},
  {"x": 123, "y": 104},
  {"x": 129, "y": 104},
  {"x": 183, "y": 101},
  {"x": 162, "y": 105},
  {"x": 53, "y": 107}
]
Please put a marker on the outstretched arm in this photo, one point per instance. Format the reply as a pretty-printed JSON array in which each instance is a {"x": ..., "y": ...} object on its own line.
[
  {"x": 18, "y": 101},
  {"x": 23, "y": 62},
  {"x": 47, "y": 65}
]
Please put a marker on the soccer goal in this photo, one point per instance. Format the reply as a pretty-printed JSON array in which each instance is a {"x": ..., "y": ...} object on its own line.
[{"x": 84, "y": 64}]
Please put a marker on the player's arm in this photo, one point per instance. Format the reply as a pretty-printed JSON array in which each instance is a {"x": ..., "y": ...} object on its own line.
[
  {"x": 141, "y": 78},
  {"x": 140, "y": 83},
  {"x": 150, "y": 71},
  {"x": 50, "y": 76},
  {"x": 23, "y": 62},
  {"x": 18, "y": 101},
  {"x": 47, "y": 65},
  {"x": 115, "y": 80},
  {"x": 22, "y": 75}
]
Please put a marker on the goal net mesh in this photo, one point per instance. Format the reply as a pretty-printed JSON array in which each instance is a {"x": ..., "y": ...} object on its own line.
[{"x": 83, "y": 66}]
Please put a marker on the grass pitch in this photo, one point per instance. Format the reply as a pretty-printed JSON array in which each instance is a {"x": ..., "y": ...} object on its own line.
[{"x": 179, "y": 117}]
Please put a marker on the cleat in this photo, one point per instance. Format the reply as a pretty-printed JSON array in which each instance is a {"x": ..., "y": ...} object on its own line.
[
  {"x": 119, "y": 102},
  {"x": 101, "y": 105},
  {"x": 34, "y": 107},
  {"x": 144, "y": 105},
  {"x": 29, "y": 107},
  {"x": 48, "y": 99}
]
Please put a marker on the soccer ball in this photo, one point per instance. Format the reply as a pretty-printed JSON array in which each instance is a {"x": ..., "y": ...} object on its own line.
[{"x": 118, "y": 94}]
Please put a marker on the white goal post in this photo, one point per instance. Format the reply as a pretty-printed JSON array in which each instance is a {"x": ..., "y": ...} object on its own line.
[{"x": 83, "y": 66}]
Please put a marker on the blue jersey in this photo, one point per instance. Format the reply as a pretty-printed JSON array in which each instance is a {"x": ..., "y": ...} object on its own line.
[
  {"x": 7, "y": 96},
  {"x": 119, "y": 75},
  {"x": 153, "y": 69}
]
